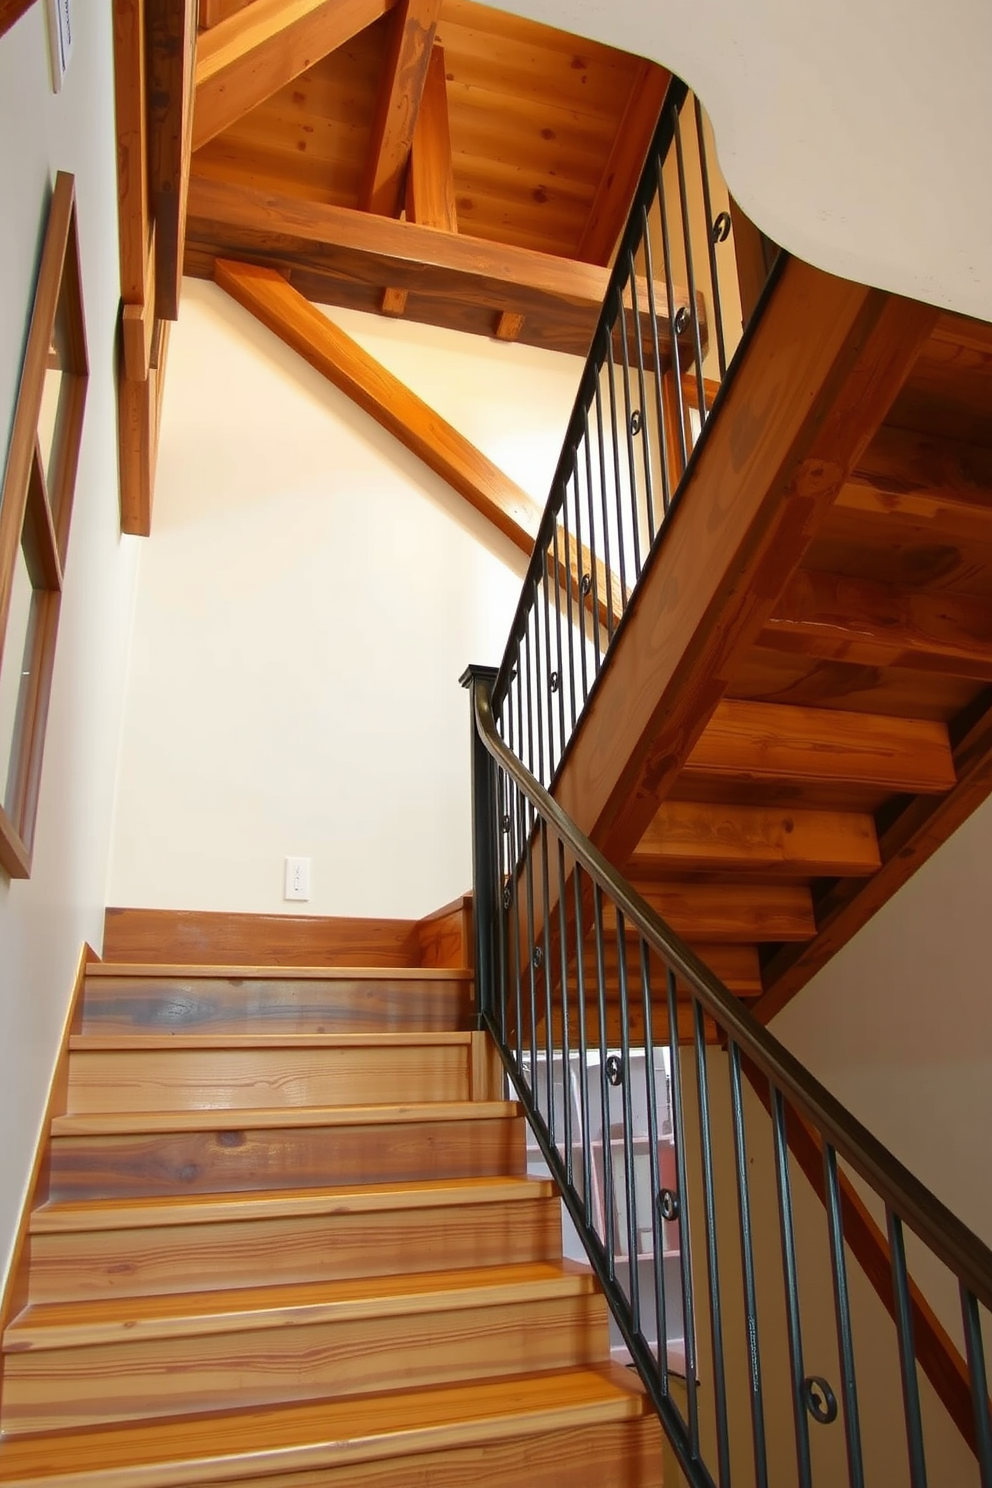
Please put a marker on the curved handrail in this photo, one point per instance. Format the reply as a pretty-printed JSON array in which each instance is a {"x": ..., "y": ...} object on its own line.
[{"x": 950, "y": 1240}]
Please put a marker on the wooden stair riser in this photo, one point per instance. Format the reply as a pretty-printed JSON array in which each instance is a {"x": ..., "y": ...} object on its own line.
[
  {"x": 241, "y": 1161},
  {"x": 215, "y": 1079},
  {"x": 47, "y": 1390},
  {"x": 161, "y": 1260},
  {"x": 282, "y": 1004}
]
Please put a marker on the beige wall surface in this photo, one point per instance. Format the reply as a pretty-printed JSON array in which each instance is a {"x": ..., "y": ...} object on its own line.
[
  {"x": 309, "y": 597},
  {"x": 44, "y": 921}
]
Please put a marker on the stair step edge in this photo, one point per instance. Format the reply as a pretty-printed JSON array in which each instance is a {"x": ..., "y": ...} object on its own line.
[
  {"x": 266, "y": 1118},
  {"x": 160, "y": 1042},
  {"x": 153, "y": 971}
]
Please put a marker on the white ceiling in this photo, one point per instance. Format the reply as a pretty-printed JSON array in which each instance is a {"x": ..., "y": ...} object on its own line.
[{"x": 858, "y": 133}]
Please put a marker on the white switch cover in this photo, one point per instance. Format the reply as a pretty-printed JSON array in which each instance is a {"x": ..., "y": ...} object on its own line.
[{"x": 297, "y": 878}]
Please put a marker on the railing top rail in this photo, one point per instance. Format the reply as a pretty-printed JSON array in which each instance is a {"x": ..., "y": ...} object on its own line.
[{"x": 946, "y": 1236}]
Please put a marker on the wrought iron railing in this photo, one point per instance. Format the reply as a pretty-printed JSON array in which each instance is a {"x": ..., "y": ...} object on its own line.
[
  {"x": 750, "y": 1235},
  {"x": 671, "y": 322}
]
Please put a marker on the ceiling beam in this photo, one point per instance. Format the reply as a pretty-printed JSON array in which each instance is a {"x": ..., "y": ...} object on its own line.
[
  {"x": 430, "y": 184},
  {"x": 401, "y": 88},
  {"x": 251, "y": 55},
  {"x": 171, "y": 26},
  {"x": 343, "y": 257},
  {"x": 615, "y": 193},
  {"x": 343, "y": 362}
]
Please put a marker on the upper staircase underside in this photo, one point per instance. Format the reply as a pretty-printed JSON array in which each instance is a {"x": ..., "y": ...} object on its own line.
[{"x": 795, "y": 711}]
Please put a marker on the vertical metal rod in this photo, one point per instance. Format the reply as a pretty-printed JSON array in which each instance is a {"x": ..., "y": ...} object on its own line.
[
  {"x": 529, "y": 952},
  {"x": 747, "y": 1265},
  {"x": 568, "y": 596},
  {"x": 566, "y": 1050},
  {"x": 791, "y": 1276},
  {"x": 712, "y": 1257},
  {"x": 538, "y": 693},
  {"x": 606, "y": 516},
  {"x": 546, "y": 973},
  {"x": 907, "y": 1352},
  {"x": 642, "y": 390},
  {"x": 561, "y": 659},
  {"x": 975, "y": 1350},
  {"x": 580, "y": 979},
  {"x": 657, "y": 1223},
  {"x": 842, "y": 1307},
  {"x": 609, "y": 1202},
  {"x": 690, "y": 273},
  {"x": 721, "y": 349},
  {"x": 621, "y": 545},
  {"x": 672, "y": 313},
  {"x": 530, "y": 710},
  {"x": 659, "y": 397},
  {"x": 547, "y": 675},
  {"x": 685, "y": 1237},
  {"x": 628, "y": 1123},
  {"x": 628, "y": 410},
  {"x": 583, "y": 659},
  {"x": 503, "y": 879},
  {"x": 593, "y": 564},
  {"x": 513, "y": 909}
]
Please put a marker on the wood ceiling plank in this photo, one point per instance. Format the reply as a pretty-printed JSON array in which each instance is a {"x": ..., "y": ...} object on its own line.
[
  {"x": 248, "y": 57},
  {"x": 401, "y": 88},
  {"x": 343, "y": 362},
  {"x": 623, "y": 169},
  {"x": 430, "y": 196},
  {"x": 171, "y": 67},
  {"x": 694, "y": 836}
]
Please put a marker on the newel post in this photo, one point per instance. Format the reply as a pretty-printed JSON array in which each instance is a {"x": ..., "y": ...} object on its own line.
[{"x": 479, "y": 680}]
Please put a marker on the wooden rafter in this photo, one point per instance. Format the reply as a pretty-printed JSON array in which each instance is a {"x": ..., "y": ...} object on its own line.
[
  {"x": 430, "y": 194},
  {"x": 401, "y": 89},
  {"x": 623, "y": 169},
  {"x": 171, "y": 26},
  {"x": 248, "y": 57}
]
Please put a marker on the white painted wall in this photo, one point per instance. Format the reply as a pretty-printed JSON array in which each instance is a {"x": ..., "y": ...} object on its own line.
[
  {"x": 856, "y": 133},
  {"x": 306, "y": 605},
  {"x": 43, "y": 922}
]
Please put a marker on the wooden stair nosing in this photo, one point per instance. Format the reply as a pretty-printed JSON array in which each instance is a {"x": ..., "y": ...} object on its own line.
[
  {"x": 115, "y": 1123},
  {"x": 164, "y": 971},
  {"x": 165, "y": 1041},
  {"x": 188, "y": 1452}
]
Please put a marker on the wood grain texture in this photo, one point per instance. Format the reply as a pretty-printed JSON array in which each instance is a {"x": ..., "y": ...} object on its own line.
[
  {"x": 735, "y": 912},
  {"x": 619, "y": 181},
  {"x": 249, "y": 56},
  {"x": 212, "y": 12},
  {"x": 949, "y": 393},
  {"x": 694, "y": 836},
  {"x": 408, "y": 418},
  {"x": 430, "y": 188},
  {"x": 139, "y": 417},
  {"x": 412, "y": 27},
  {"x": 131, "y": 112},
  {"x": 446, "y": 937},
  {"x": 171, "y": 37},
  {"x": 178, "y": 937}
]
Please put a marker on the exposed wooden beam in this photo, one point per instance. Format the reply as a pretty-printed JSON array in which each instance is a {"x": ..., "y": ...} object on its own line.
[
  {"x": 131, "y": 108},
  {"x": 700, "y": 836},
  {"x": 430, "y": 194},
  {"x": 401, "y": 88},
  {"x": 344, "y": 257},
  {"x": 171, "y": 64},
  {"x": 343, "y": 362},
  {"x": 394, "y": 301},
  {"x": 251, "y": 55},
  {"x": 139, "y": 418},
  {"x": 882, "y": 625},
  {"x": 139, "y": 322},
  {"x": 509, "y": 326},
  {"x": 615, "y": 193}
]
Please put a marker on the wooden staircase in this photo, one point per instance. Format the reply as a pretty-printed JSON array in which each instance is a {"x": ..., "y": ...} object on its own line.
[{"x": 287, "y": 1239}]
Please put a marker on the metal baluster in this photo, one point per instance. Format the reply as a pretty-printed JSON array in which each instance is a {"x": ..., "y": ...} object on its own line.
[
  {"x": 673, "y": 314},
  {"x": 629, "y": 410},
  {"x": 845, "y": 1338},
  {"x": 621, "y": 545},
  {"x": 593, "y": 565},
  {"x": 546, "y": 973},
  {"x": 628, "y": 1123},
  {"x": 568, "y": 595},
  {"x": 552, "y": 763},
  {"x": 747, "y": 1265},
  {"x": 514, "y": 904},
  {"x": 712, "y": 1261},
  {"x": 642, "y": 389},
  {"x": 529, "y": 881},
  {"x": 538, "y": 688},
  {"x": 561, "y": 660},
  {"x": 582, "y": 578},
  {"x": 657, "y": 1223},
  {"x": 907, "y": 1352},
  {"x": 685, "y": 1238},
  {"x": 975, "y": 1350},
  {"x": 659, "y": 397},
  {"x": 791, "y": 1289},
  {"x": 721, "y": 350},
  {"x": 502, "y": 850},
  {"x": 566, "y": 1051},
  {"x": 690, "y": 273},
  {"x": 609, "y": 1207},
  {"x": 580, "y": 980},
  {"x": 597, "y": 394}
]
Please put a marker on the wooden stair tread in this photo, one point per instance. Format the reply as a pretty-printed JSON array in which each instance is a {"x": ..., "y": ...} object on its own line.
[
  {"x": 151, "y": 971},
  {"x": 76, "y": 1216},
  {"x": 112, "y": 1123},
  {"x": 193, "y": 1450},
  {"x": 57, "y": 1325},
  {"x": 164, "y": 1041}
]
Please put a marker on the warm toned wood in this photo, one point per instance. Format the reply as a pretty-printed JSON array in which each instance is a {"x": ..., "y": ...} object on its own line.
[
  {"x": 762, "y": 483},
  {"x": 11, "y": 11},
  {"x": 171, "y": 35},
  {"x": 394, "y": 301},
  {"x": 88, "y": 1043},
  {"x": 212, "y": 12},
  {"x": 328, "y": 1433},
  {"x": 751, "y": 742},
  {"x": 338, "y": 256},
  {"x": 129, "y": 1122},
  {"x": 737, "y": 966},
  {"x": 208, "y": 1080},
  {"x": 139, "y": 421},
  {"x": 255, "y": 1157},
  {"x": 201, "y": 936},
  {"x": 487, "y": 1081},
  {"x": 446, "y": 935},
  {"x": 131, "y": 112},
  {"x": 936, "y": 1354},
  {"x": 340, "y": 359},
  {"x": 734, "y": 912},
  {"x": 430, "y": 189},
  {"x": 138, "y": 319},
  {"x": 688, "y": 836},
  {"x": 755, "y": 255},
  {"x": 508, "y": 326},
  {"x": 871, "y": 624},
  {"x": 413, "y": 24},
  {"x": 949, "y": 393},
  {"x": 252, "y": 54},
  {"x": 615, "y": 192}
]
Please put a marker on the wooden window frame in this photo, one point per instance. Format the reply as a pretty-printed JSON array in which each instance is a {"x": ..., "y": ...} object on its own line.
[{"x": 35, "y": 515}]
